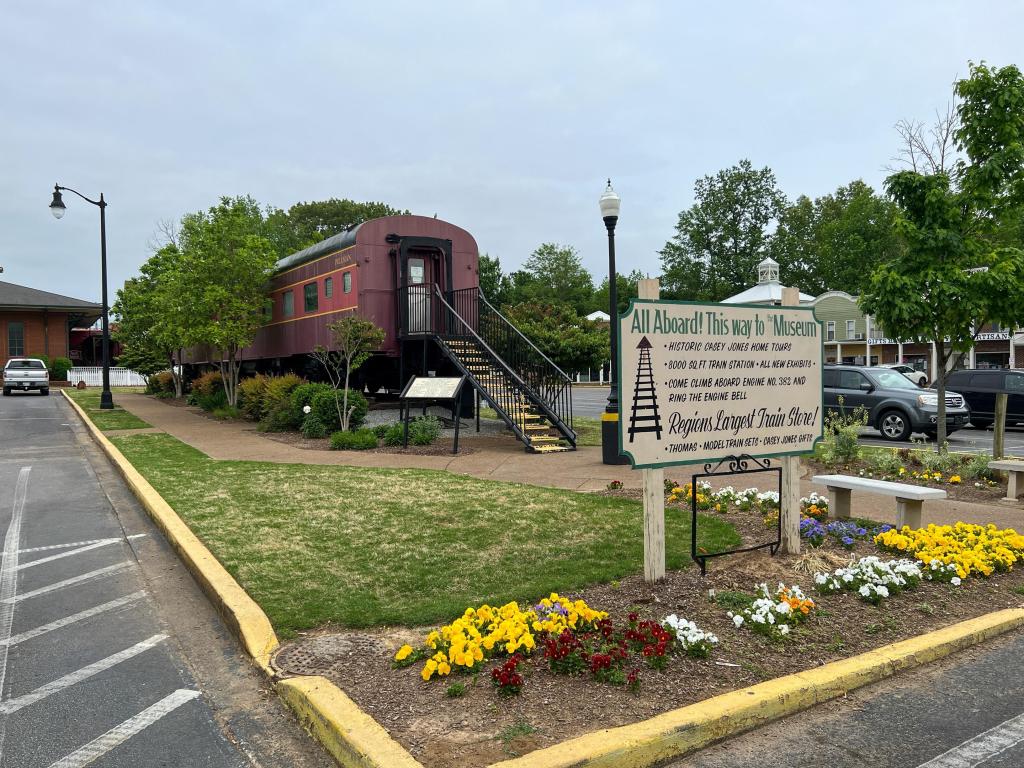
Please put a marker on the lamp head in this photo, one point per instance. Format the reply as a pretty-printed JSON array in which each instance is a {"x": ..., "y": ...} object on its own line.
[
  {"x": 57, "y": 204},
  {"x": 609, "y": 202}
]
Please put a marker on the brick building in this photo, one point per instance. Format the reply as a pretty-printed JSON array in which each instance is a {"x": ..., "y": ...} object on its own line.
[{"x": 34, "y": 322}]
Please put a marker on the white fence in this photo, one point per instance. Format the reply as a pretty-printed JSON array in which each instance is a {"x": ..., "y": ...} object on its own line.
[{"x": 119, "y": 377}]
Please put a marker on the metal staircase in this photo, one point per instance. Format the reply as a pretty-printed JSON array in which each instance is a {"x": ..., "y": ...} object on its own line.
[{"x": 531, "y": 394}]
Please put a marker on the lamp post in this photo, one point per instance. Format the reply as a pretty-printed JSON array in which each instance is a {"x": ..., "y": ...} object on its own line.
[
  {"x": 609, "y": 203},
  {"x": 57, "y": 208}
]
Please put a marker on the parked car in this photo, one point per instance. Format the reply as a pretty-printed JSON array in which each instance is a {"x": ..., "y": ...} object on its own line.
[
  {"x": 25, "y": 373},
  {"x": 980, "y": 387},
  {"x": 918, "y": 377},
  {"x": 896, "y": 406}
]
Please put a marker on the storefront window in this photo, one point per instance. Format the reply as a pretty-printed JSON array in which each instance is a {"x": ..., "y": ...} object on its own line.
[{"x": 15, "y": 339}]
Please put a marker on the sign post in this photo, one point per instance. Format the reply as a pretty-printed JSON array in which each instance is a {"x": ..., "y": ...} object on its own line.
[
  {"x": 706, "y": 383},
  {"x": 789, "y": 499}
]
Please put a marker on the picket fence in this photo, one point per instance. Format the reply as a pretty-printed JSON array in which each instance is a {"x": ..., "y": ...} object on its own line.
[{"x": 93, "y": 377}]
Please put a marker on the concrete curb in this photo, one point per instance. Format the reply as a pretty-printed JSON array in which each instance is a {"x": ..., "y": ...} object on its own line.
[{"x": 356, "y": 740}]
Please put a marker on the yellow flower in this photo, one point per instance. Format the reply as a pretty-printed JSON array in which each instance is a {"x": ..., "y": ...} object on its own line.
[
  {"x": 403, "y": 652},
  {"x": 955, "y": 480}
]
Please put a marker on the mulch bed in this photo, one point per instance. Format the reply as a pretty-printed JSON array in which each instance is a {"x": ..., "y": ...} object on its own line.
[{"x": 481, "y": 727}]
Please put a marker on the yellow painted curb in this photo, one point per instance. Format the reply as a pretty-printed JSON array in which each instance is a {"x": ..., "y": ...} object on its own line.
[
  {"x": 243, "y": 616},
  {"x": 690, "y": 728},
  {"x": 352, "y": 737}
]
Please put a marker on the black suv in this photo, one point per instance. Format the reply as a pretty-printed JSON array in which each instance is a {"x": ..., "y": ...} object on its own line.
[
  {"x": 980, "y": 387},
  {"x": 896, "y": 406}
]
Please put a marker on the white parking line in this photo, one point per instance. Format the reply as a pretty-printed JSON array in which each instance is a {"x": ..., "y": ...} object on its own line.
[
  {"x": 81, "y": 615},
  {"x": 9, "y": 581},
  {"x": 982, "y": 747},
  {"x": 99, "y": 573},
  {"x": 20, "y": 702},
  {"x": 76, "y": 544},
  {"x": 121, "y": 733},
  {"x": 62, "y": 555}
]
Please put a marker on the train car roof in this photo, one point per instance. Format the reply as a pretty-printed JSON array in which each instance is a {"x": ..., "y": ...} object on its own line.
[{"x": 324, "y": 247}]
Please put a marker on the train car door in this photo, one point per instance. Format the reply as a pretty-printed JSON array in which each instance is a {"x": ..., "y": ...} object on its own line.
[{"x": 421, "y": 285}]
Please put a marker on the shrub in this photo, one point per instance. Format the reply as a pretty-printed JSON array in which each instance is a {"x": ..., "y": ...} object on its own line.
[
  {"x": 226, "y": 413},
  {"x": 313, "y": 427},
  {"x": 885, "y": 463},
  {"x": 976, "y": 466},
  {"x": 839, "y": 444},
  {"x": 325, "y": 404},
  {"x": 395, "y": 435},
  {"x": 59, "y": 368},
  {"x": 208, "y": 391},
  {"x": 281, "y": 419},
  {"x": 360, "y": 440},
  {"x": 380, "y": 430},
  {"x": 279, "y": 391},
  {"x": 944, "y": 462},
  {"x": 160, "y": 384},
  {"x": 251, "y": 392},
  {"x": 303, "y": 395},
  {"x": 424, "y": 430}
]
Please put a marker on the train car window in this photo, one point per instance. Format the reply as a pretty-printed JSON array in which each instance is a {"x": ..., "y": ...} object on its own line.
[
  {"x": 268, "y": 310},
  {"x": 288, "y": 302},
  {"x": 346, "y": 282},
  {"x": 328, "y": 287},
  {"x": 311, "y": 297}
]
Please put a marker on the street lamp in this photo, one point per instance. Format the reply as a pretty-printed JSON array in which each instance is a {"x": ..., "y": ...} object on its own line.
[
  {"x": 58, "y": 209},
  {"x": 609, "y": 203}
]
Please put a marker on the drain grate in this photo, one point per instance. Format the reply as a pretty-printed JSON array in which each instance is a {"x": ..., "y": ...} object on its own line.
[{"x": 320, "y": 655}]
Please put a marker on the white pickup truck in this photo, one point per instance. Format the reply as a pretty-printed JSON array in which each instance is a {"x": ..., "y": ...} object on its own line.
[{"x": 25, "y": 373}]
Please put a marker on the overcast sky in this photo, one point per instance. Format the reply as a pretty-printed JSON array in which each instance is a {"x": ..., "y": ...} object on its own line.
[{"x": 501, "y": 117}]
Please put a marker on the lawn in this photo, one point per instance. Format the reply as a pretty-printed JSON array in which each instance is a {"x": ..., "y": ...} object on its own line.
[
  {"x": 353, "y": 546},
  {"x": 117, "y": 418}
]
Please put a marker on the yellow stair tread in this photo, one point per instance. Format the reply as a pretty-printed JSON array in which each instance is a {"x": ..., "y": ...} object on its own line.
[{"x": 551, "y": 448}]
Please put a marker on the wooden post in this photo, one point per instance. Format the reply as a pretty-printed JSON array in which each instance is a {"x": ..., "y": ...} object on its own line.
[
  {"x": 789, "y": 502},
  {"x": 654, "y": 490},
  {"x": 999, "y": 427}
]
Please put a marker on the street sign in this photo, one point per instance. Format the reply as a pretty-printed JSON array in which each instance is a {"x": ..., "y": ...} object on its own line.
[{"x": 700, "y": 382}]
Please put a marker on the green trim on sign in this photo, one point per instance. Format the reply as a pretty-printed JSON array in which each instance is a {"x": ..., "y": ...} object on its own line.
[{"x": 634, "y": 303}]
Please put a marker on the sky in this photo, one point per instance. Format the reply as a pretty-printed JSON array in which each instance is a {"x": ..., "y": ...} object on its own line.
[{"x": 504, "y": 118}]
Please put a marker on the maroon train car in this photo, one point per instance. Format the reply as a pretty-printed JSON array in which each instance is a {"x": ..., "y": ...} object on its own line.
[{"x": 360, "y": 270}]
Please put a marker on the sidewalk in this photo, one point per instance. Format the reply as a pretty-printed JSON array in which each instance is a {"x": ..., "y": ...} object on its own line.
[{"x": 580, "y": 470}]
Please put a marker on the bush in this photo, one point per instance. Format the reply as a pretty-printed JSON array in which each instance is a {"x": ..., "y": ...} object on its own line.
[
  {"x": 226, "y": 413},
  {"x": 885, "y": 463},
  {"x": 208, "y": 392},
  {"x": 325, "y": 404},
  {"x": 839, "y": 444},
  {"x": 394, "y": 436},
  {"x": 160, "y": 384},
  {"x": 59, "y": 368},
  {"x": 313, "y": 427},
  {"x": 278, "y": 393},
  {"x": 281, "y": 419},
  {"x": 424, "y": 430},
  {"x": 944, "y": 462},
  {"x": 380, "y": 430},
  {"x": 251, "y": 392},
  {"x": 976, "y": 466},
  {"x": 360, "y": 440}
]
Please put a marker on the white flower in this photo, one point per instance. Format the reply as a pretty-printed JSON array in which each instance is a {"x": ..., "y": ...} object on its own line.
[
  {"x": 865, "y": 590},
  {"x": 306, "y": 409},
  {"x": 737, "y": 620},
  {"x": 955, "y": 581},
  {"x": 784, "y": 629},
  {"x": 882, "y": 591}
]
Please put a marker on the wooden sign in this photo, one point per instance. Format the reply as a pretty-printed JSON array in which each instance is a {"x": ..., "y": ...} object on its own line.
[{"x": 699, "y": 382}]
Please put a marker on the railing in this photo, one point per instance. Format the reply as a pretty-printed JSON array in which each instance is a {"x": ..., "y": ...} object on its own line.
[
  {"x": 466, "y": 313},
  {"x": 119, "y": 377}
]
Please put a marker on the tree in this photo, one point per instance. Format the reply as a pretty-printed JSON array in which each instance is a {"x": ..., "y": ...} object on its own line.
[
  {"x": 627, "y": 287},
  {"x": 722, "y": 237},
  {"x": 354, "y": 339},
  {"x": 572, "y": 342},
  {"x": 225, "y": 271},
  {"x": 835, "y": 241},
  {"x": 153, "y": 317},
  {"x": 304, "y": 224},
  {"x": 494, "y": 284},
  {"x": 955, "y": 273},
  {"x": 553, "y": 274}
]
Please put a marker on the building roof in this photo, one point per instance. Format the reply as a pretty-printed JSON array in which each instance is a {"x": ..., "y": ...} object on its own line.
[
  {"x": 598, "y": 315},
  {"x": 763, "y": 293},
  {"x": 22, "y": 297}
]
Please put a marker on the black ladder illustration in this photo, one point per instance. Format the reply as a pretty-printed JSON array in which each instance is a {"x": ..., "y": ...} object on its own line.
[{"x": 645, "y": 401}]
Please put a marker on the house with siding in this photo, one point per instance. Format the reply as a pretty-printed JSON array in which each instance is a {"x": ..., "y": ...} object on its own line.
[{"x": 34, "y": 322}]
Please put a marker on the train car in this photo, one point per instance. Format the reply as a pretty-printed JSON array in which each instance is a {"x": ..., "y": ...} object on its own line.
[{"x": 418, "y": 279}]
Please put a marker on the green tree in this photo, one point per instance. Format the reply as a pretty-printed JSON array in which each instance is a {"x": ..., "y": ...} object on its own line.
[
  {"x": 954, "y": 272},
  {"x": 494, "y": 284},
  {"x": 627, "y": 287},
  {"x": 572, "y": 342},
  {"x": 354, "y": 339},
  {"x": 721, "y": 238},
  {"x": 225, "y": 271},
  {"x": 153, "y": 317},
  {"x": 553, "y": 274},
  {"x": 835, "y": 241},
  {"x": 304, "y": 224}
]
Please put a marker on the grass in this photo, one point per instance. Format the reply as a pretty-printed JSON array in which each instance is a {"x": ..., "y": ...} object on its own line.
[
  {"x": 588, "y": 430},
  {"x": 1019, "y": 590},
  {"x": 359, "y": 547},
  {"x": 117, "y": 418}
]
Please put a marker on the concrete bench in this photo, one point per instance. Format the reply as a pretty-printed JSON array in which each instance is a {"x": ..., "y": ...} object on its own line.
[
  {"x": 908, "y": 497},
  {"x": 1014, "y": 469}
]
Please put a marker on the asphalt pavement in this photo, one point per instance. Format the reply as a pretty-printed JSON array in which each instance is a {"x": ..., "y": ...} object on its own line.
[
  {"x": 963, "y": 712},
  {"x": 91, "y": 670}
]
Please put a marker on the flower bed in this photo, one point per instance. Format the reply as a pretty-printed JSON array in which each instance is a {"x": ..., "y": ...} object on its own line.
[{"x": 972, "y": 549}]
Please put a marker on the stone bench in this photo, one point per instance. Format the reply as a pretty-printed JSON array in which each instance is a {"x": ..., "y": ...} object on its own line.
[
  {"x": 908, "y": 497},
  {"x": 1014, "y": 469}
]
